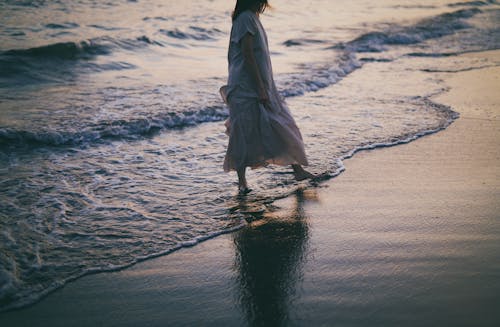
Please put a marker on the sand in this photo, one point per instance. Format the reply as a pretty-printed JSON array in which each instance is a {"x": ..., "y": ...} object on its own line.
[{"x": 406, "y": 236}]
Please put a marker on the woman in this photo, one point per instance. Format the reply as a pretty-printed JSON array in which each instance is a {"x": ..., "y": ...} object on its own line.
[{"x": 260, "y": 127}]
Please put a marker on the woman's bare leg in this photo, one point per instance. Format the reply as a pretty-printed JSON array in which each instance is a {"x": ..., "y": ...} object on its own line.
[
  {"x": 300, "y": 173},
  {"x": 242, "y": 181}
]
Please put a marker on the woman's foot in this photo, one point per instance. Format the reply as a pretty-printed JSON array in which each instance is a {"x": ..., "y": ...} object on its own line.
[
  {"x": 244, "y": 190},
  {"x": 301, "y": 174}
]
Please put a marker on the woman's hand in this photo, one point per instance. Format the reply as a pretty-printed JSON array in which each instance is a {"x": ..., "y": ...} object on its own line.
[{"x": 264, "y": 99}]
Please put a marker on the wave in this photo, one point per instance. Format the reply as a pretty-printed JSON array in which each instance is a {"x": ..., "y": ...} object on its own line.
[
  {"x": 473, "y": 3},
  {"x": 117, "y": 129},
  {"x": 26, "y": 3},
  {"x": 431, "y": 28},
  {"x": 299, "y": 42},
  {"x": 160, "y": 18},
  {"x": 195, "y": 33},
  {"x": 62, "y": 50},
  {"x": 105, "y": 28},
  {"x": 315, "y": 76},
  {"x": 85, "y": 49},
  {"x": 66, "y": 25},
  {"x": 60, "y": 60}
]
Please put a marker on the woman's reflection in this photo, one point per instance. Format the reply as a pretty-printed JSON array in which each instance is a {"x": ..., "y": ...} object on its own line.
[{"x": 269, "y": 256}]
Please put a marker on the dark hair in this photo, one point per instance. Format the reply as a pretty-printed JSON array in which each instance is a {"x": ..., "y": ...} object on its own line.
[{"x": 254, "y": 5}]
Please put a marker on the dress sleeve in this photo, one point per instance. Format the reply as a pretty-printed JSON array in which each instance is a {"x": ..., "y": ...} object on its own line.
[{"x": 243, "y": 24}]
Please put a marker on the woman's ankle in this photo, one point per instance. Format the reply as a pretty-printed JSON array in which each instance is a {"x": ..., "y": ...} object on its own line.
[{"x": 297, "y": 169}]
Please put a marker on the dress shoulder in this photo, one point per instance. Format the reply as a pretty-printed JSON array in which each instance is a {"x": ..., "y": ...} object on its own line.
[{"x": 243, "y": 24}]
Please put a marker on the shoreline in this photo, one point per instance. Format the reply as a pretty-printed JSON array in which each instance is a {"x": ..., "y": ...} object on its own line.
[{"x": 203, "y": 253}]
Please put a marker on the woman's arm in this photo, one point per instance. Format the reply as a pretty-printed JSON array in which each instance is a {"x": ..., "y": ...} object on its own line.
[{"x": 253, "y": 68}]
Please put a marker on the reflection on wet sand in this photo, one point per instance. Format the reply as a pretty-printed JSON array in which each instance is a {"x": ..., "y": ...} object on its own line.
[{"x": 269, "y": 258}]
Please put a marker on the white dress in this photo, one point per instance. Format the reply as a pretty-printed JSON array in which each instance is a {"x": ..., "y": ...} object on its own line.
[{"x": 258, "y": 136}]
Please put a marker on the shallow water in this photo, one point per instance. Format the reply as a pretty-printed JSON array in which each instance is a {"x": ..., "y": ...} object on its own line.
[{"x": 111, "y": 133}]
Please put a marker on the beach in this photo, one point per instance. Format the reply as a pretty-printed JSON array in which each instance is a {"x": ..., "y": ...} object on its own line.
[{"x": 407, "y": 235}]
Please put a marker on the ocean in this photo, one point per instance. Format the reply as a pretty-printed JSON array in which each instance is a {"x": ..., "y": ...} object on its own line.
[{"x": 111, "y": 124}]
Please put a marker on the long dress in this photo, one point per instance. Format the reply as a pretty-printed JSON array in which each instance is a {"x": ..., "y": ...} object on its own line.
[{"x": 258, "y": 135}]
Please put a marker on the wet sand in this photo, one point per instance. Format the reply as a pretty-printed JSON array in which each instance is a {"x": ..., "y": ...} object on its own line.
[{"x": 406, "y": 236}]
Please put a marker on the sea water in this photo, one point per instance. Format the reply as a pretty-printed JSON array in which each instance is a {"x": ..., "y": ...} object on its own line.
[{"x": 111, "y": 126}]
